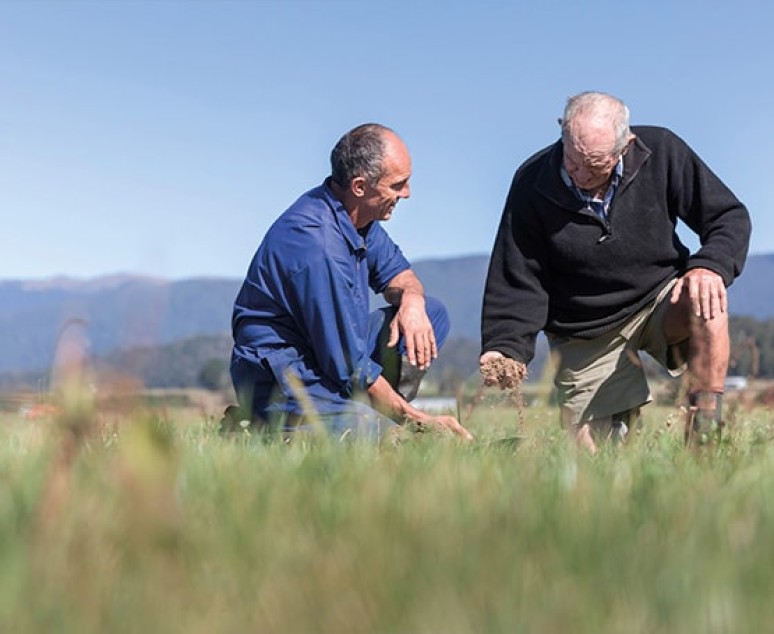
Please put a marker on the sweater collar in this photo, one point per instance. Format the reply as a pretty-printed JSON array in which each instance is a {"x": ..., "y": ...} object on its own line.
[{"x": 549, "y": 181}]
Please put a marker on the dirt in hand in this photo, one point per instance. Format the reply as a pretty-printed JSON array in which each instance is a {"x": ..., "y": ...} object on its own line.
[
  {"x": 505, "y": 372},
  {"x": 509, "y": 374}
]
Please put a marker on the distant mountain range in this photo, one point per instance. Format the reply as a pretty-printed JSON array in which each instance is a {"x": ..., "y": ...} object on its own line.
[{"x": 124, "y": 312}]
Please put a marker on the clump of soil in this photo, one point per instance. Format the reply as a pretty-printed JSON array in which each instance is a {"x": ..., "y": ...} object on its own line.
[
  {"x": 505, "y": 372},
  {"x": 508, "y": 374}
]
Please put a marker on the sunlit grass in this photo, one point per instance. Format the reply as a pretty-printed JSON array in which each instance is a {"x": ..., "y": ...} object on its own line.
[{"x": 165, "y": 526}]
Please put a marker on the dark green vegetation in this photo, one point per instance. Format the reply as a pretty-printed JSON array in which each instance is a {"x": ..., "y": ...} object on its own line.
[
  {"x": 129, "y": 519},
  {"x": 203, "y": 361},
  {"x": 125, "y": 313}
]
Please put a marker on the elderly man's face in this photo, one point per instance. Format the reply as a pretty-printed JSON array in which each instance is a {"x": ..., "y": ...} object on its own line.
[
  {"x": 588, "y": 170},
  {"x": 589, "y": 156}
]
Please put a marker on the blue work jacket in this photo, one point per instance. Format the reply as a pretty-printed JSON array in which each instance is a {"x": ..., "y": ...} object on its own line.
[{"x": 304, "y": 304}]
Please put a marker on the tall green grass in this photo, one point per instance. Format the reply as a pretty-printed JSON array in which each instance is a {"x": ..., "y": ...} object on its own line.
[{"x": 151, "y": 522}]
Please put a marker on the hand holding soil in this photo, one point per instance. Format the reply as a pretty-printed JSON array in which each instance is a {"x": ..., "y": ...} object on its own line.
[{"x": 497, "y": 369}]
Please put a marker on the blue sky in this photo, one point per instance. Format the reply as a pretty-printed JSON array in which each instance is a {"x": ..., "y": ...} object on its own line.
[{"x": 162, "y": 138}]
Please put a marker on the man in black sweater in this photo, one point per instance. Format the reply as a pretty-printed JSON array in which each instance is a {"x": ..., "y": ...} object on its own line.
[{"x": 587, "y": 251}]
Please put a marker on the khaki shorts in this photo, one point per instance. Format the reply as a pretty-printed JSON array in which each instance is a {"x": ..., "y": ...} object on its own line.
[{"x": 597, "y": 378}]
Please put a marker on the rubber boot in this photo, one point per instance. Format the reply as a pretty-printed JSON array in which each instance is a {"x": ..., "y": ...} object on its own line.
[
  {"x": 621, "y": 424},
  {"x": 235, "y": 420},
  {"x": 704, "y": 424},
  {"x": 410, "y": 378}
]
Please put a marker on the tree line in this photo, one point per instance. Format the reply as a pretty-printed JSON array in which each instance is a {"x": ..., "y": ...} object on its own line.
[
  {"x": 203, "y": 361},
  {"x": 752, "y": 347}
]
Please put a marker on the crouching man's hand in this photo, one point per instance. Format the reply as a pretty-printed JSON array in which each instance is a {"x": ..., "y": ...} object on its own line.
[
  {"x": 447, "y": 423},
  {"x": 497, "y": 369},
  {"x": 390, "y": 403}
]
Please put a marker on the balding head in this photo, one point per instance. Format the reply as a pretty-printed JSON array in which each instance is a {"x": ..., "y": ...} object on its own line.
[
  {"x": 599, "y": 119},
  {"x": 361, "y": 152},
  {"x": 595, "y": 134},
  {"x": 370, "y": 171}
]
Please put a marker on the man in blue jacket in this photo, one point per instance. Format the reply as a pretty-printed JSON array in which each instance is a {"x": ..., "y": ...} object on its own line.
[
  {"x": 587, "y": 251},
  {"x": 306, "y": 346}
]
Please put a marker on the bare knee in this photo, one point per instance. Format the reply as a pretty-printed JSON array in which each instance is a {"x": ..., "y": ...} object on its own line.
[{"x": 681, "y": 323}]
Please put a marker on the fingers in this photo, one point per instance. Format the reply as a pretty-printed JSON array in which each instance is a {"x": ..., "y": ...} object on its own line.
[
  {"x": 694, "y": 293},
  {"x": 420, "y": 350},
  {"x": 450, "y": 423},
  {"x": 426, "y": 349},
  {"x": 419, "y": 338},
  {"x": 411, "y": 350},
  {"x": 489, "y": 356},
  {"x": 394, "y": 334},
  {"x": 718, "y": 298},
  {"x": 707, "y": 293},
  {"x": 677, "y": 290},
  {"x": 484, "y": 364}
]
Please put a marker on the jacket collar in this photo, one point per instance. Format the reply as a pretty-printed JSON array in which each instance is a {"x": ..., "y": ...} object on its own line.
[
  {"x": 549, "y": 179},
  {"x": 354, "y": 238}
]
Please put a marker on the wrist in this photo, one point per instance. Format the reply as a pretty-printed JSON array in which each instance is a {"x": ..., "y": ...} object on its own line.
[
  {"x": 411, "y": 413},
  {"x": 412, "y": 296}
]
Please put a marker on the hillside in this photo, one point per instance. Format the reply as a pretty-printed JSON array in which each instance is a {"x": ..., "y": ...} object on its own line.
[
  {"x": 127, "y": 312},
  {"x": 119, "y": 313}
]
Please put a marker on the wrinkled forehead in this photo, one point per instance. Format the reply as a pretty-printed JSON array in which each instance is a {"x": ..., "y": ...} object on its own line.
[
  {"x": 587, "y": 157},
  {"x": 590, "y": 140}
]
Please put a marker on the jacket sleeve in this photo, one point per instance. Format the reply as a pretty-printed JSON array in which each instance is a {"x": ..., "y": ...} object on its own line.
[
  {"x": 384, "y": 257},
  {"x": 515, "y": 306},
  {"x": 321, "y": 298},
  {"x": 711, "y": 210}
]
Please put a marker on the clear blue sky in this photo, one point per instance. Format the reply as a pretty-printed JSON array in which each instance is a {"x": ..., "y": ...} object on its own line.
[{"x": 164, "y": 137}]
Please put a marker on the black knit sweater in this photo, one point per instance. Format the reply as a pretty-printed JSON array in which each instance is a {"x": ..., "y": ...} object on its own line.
[{"x": 559, "y": 268}]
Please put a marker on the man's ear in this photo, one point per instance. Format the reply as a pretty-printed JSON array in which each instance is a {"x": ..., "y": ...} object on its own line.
[
  {"x": 629, "y": 143},
  {"x": 358, "y": 186}
]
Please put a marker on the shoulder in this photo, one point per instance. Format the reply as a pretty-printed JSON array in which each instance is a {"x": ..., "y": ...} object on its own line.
[
  {"x": 656, "y": 136},
  {"x": 308, "y": 209},
  {"x": 299, "y": 233},
  {"x": 538, "y": 176},
  {"x": 304, "y": 217},
  {"x": 536, "y": 163}
]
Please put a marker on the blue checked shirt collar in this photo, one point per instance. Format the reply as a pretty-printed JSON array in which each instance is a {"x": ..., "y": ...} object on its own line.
[{"x": 596, "y": 205}]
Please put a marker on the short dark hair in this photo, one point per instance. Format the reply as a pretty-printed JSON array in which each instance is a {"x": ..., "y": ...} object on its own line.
[{"x": 360, "y": 152}]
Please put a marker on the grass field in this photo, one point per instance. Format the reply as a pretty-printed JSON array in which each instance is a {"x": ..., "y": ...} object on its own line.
[{"x": 147, "y": 521}]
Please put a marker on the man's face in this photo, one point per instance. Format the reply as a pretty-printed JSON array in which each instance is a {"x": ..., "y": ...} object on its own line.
[
  {"x": 589, "y": 168},
  {"x": 379, "y": 200},
  {"x": 589, "y": 150}
]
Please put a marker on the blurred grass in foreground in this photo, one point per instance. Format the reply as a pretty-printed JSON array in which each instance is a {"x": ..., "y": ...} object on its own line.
[{"x": 159, "y": 525}]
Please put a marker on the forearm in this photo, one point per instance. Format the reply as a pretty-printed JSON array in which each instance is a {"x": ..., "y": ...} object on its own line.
[
  {"x": 515, "y": 302},
  {"x": 387, "y": 401},
  {"x": 404, "y": 285},
  {"x": 510, "y": 321},
  {"x": 392, "y": 404}
]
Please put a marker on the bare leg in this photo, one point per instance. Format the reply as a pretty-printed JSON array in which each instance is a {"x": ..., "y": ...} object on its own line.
[
  {"x": 708, "y": 345},
  {"x": 708, "y": 355},
  {"x": 585, "y": 438},
  {"x": 613, "y": 429}
]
